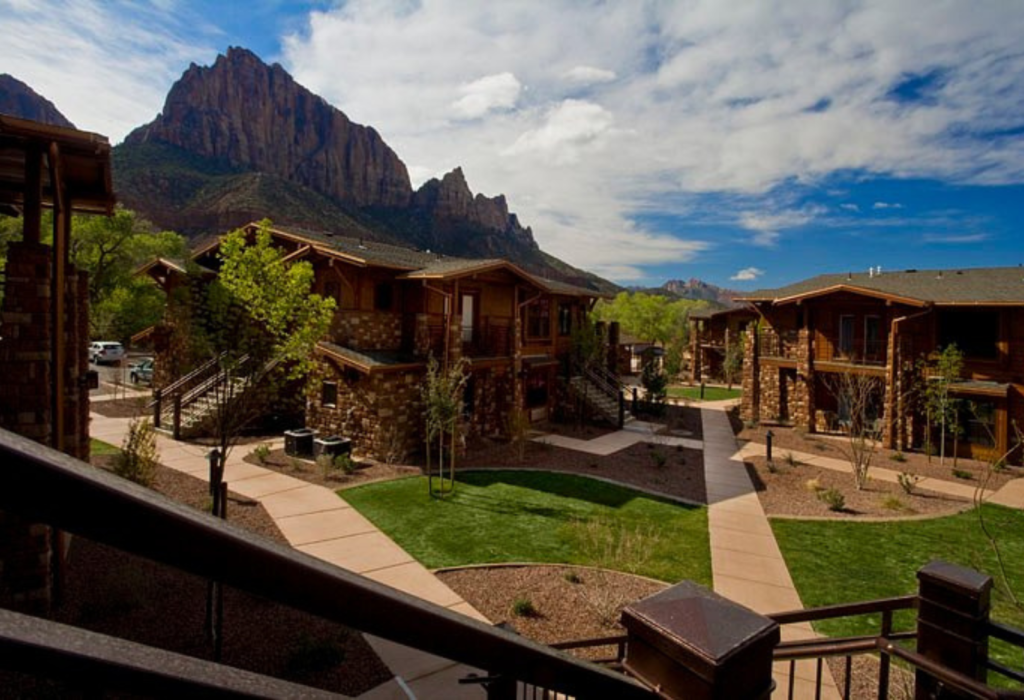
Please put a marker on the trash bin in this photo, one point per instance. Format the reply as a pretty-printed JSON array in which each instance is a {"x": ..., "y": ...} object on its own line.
[
  {"x": 332, "y": 446},
  {"x": 299, "y": 442}
]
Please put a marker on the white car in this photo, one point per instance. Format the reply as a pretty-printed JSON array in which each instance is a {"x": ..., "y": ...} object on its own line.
[{"x": 106, "y": 351}]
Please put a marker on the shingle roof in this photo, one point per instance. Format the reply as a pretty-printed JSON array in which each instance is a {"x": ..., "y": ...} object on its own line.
[
  {"x": 976, "y": 286},
  {"x": 422, "y": 264},
  {"x": 708, "y": 312}
]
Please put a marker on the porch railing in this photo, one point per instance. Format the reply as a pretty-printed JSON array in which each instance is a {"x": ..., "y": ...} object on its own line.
[
  {"x": 778, "y": 344},
  {"x": 43, "y": 485}
]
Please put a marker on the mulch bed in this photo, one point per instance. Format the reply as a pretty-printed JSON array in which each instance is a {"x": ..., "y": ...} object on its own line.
[
  {"x": 364, "y": 471},
  {"x": 123, "y": 408},
  {"x": 116, "y": 593},
  {"x": 793, "y": 489},
  {"x": 790, "y": 439},
  {"x": 586, "y": 607}
]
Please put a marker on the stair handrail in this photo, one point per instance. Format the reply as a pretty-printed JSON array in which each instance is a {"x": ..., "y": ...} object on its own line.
[{"x": 177, "y": 386}]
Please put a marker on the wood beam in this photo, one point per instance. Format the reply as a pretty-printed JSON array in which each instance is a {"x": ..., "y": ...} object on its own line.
[
  {"x": 33, "y": 210},
  {"x": 61, "y": 243}
]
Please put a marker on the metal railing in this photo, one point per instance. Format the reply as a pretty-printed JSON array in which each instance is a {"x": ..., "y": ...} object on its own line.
[
  {"x": 43, "y": 485},
  {"x": 607, "y": 385}
]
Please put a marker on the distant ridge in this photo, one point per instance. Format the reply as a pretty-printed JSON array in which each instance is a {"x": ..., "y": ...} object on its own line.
[{"x": 19, "y": 100}]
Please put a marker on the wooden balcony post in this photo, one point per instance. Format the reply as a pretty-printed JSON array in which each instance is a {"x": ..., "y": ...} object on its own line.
[
  {"x": 157, "y": 407},
  {"x": 952, "y": 623},
  {"x": 689, "y": 642}
]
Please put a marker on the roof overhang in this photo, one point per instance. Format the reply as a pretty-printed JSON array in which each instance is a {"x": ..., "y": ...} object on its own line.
[
  {"x": 850, "y": 289},
  {"x": 979, "y": 388},
  {"x": 84, "y": 165}
]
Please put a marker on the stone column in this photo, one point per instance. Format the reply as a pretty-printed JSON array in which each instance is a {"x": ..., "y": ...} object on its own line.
[
  {"x": 750, "y": 400},
  {"x": 421, "y": 341},
  {"x": 803, "y": 408}
]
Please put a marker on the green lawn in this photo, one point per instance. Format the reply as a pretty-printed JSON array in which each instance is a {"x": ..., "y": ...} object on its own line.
[
  {"x": 98, "y": 448},
  {"x": 711, "y": 393},
  {"x": 838, "y": 562},
  {"x": 513, "y": 516}
]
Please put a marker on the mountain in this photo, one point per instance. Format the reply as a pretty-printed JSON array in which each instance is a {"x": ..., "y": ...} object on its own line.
[
  {"x": 19, "y": 100},
  {"x": 699, "y": 290},
  {"x": 241, "y": 140}
]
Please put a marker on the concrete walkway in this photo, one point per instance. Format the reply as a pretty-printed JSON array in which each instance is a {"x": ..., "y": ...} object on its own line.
[
  {"x": 633, "y": 432},
  {"x": 315, "y": 520},
  {"x": 746, "y": 563}
]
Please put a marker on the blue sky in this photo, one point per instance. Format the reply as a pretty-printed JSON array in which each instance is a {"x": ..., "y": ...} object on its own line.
[{"x": 747, "y": 144}]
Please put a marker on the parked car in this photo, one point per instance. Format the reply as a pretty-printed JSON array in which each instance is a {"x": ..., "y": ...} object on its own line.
[
  {"x": 105, "y": 351},
  {"x": 141, "y": 371}
]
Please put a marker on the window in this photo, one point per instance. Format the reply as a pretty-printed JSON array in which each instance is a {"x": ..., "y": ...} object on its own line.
[
  {"x": 468, "y": 317},
  {"x": 873, "y": 346},
  {"x": 538, "y": 319},
  {"x": 536, "y": 389},
  {"x": 384, "y": 296},
  {"x": 329, "y": 394},
  {"x": 564, "y": 319},
  {"x": 975, "y": 333},
  {"x": 846, "y": 335},
  {"x": 979, "y": 421}
]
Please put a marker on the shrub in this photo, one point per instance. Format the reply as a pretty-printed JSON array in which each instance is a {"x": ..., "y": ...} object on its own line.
[
  {"x": 138, "y": 457},
  {"x": 907, "y": 481},
  {"x": 898, "y": 457},
  {"x": 573, "y": 577},
  {"x": 262, "y": 452},
  {"x": 963, "y": 474},
  {"x": 659, "y": 458},
  {"x": 893, "y": 502},
  {"x": 523, "y": 607},
  {"x": 791, "y": 460},
  {"x": 812, "y": 485},
  {"x": 772, "y": 468},
  {"x": 833, "y": 498},
  {"x": 344, "y": 463}
]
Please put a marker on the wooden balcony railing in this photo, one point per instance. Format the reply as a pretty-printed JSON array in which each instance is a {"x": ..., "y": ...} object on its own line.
[{"x": 778, "y": 344}]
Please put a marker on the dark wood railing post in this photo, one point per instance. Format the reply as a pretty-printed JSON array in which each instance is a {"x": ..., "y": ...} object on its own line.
[
  {"x": 177, "y": 416},
  {"x": 158, "y": 395},
  {"x": 689, "y": 642},
  {"x": 952, "y": 623},
  {"x": 622, "y": 410}
]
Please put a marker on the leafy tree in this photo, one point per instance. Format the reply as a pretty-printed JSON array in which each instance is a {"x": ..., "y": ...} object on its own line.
[
  {"x": 442, "y": 406},
  {"x": 859, "y": 394},
  {"x": 940, "y": 404},
  {"x": 259, "y": 323},
  {"x": 655, "y": 385},
  {"x": 650, "y": 317},
  {"x": 732, "y": 365},
  {"x": 110, "y": 249}
]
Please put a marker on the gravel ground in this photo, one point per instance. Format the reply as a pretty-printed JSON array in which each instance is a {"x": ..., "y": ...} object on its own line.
[
  {"x": 116, "y": 593},
  {"x": 789, "y": 491},
  {"x": 122, "y": 408},
  {"x": 786, "y": 439},
  {"x": 365, "y": 470},
  {"x": 569, "y": 603}
]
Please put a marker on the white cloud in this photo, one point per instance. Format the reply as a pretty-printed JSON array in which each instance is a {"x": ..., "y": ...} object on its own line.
[
  {"x": 954, "y": 239},
  {"x": 492, "y": 92},
  {"x": 589, "y": 75},
  {"x": 767, "y": 226},
  {"x": 747, "y": 274},
  {"x": 106, "y": 66},
  {"x": 567, "y": 128},
  {"x": 850, "y": 207},
  {"x": 886, "y": 205}
]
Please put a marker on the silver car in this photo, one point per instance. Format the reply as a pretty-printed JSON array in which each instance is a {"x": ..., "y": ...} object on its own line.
[{"x": 104, "y": 351}]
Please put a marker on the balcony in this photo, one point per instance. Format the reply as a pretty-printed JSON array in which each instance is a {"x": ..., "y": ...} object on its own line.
[
  {"x": 870, "y": 352},
  {"x": 779, "y": 344}
]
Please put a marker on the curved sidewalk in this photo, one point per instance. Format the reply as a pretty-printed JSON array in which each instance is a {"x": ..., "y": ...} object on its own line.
[
  {"x": 317, "y": 521},
  {"x": 746, "y": 563}
]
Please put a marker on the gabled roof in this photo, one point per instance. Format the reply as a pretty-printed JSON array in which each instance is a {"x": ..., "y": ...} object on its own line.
[
  {"x": 980, "y": 286},
  {"x": 708, "y": 312},
  {"x": 415, "y": 264}
]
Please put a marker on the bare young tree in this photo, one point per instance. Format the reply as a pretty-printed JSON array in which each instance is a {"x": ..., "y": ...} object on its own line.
[{"x": 858, "y": 396}]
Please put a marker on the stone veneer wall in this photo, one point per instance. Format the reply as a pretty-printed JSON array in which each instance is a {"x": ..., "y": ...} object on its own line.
[
  {"x": 26, "y": 375},
  {"x": 750, "y": 399},
  {"x": 492, "y": 401},
  {"x": 768, "y": 380},
  {"x": 367, "y": 330},
  {"x": 380, "y": 413}
]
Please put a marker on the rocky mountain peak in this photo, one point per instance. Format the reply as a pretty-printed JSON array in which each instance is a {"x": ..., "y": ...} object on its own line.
[
  {"x": 19, "y": 100},
  {"x": 248, "y": 114}
]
